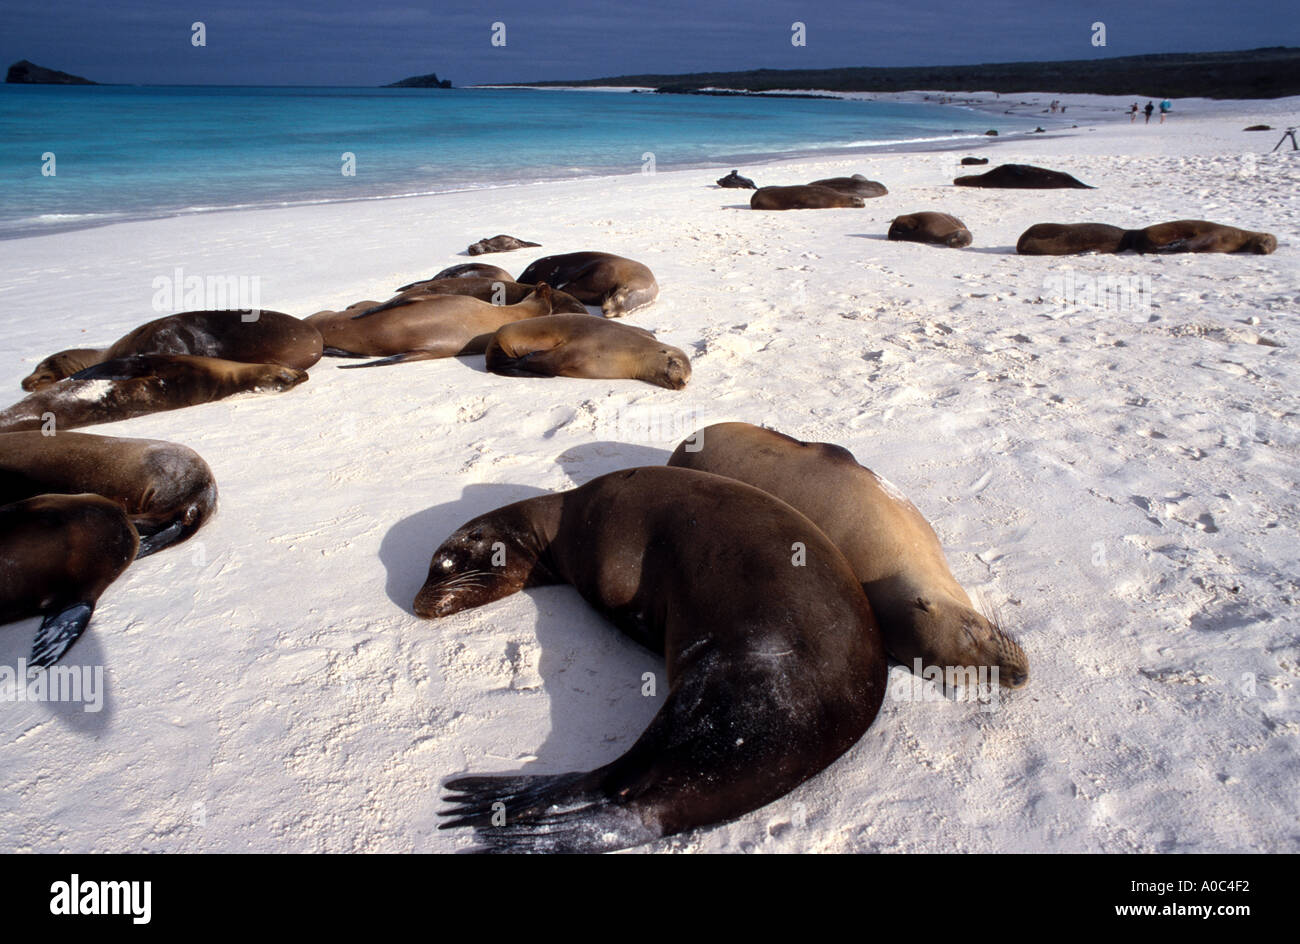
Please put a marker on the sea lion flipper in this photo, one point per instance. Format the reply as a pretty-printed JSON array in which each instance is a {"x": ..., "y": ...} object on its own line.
[
  {"x": 337, "y": 352},
  {"x": 120, "y": 368},
  {"x": 390, "y": 305},
  {"x": 394, "y": 359},
  {"x": 58, "y": 632},
  {"x": 152, "y": 542},
  {"x": 540, "y": 813}
]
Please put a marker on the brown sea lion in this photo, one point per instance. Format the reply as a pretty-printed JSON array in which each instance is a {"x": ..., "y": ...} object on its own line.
[
  {"x": 857, "y": 186},
  {"x": 968, "y": 161},
  {"x": 1066, "y": 239},
  {"x": 58, "y": 554},
  {"x": 735, "y": 182},
  {"x": 166, "y": 489},
  {"x": 939, "y": 229},
  {"x": 923, "y": 612},
  {"x": 433, "y": 326},
  {"x": 467, "y": 270},
  {"x": 136, "y": 386},
  {"x": 616, "y": 284},
  {"x": 501, "y": 243},
  {"x": 775, "y": 663},
  {"x": 488, "y": 290},
  {"x": 1201, "y": 236},
  {"x": 583, "y": 346},
  {"x": 805, "y": 197},
  {"x": 1022, "y": 177},
  {"x": 268, "y": 337}
]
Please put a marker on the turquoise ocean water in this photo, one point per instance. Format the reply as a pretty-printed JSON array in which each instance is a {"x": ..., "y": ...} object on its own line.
[{"x": 122, "y": 152}]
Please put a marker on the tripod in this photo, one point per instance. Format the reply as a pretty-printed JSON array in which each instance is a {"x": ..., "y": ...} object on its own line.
[{"x": 1288, "y": 133}]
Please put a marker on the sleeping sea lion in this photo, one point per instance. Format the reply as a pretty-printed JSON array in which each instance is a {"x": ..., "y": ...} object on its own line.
[
  {"x": 1065, "y": 239},
  {"x": 488, "y": 290},
  {"x": 466, "y": 270},
  {"x": 1022, "y": 177},
  {"x": 736, "y": 182},
  {"x": 501, "y": 243},
  {"x": 805, "y": 197},
  {"x": 583, "y": 346},
  {"x": 775, "y": 663},
  {"x": 968, "y": 161},
  {"x": 425, "y": 328},
  {"x": 166, "y": 489},
  {"x": 939, "y": 229},
  {"x": 1200, "y": 236},
  {"x": 857, "y": 186},
  {"x": 923, "y": 612},
  {"x": 136, "y": 386},
  {"x": 58, "y": 554},
  {"x": 616, "y": 284},
  {"x": 268, "y": 337}
]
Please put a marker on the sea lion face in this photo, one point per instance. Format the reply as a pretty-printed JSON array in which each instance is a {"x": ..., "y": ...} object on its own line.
[
  {"x": 1261, "y": 243},
  {"x": 675, "y": 369},
  {"x": 277, "y": 379},
  {"x": 55, "y": 367},
  {"x": 948, "y": 633},
  {"x": 479, "y": 563}
]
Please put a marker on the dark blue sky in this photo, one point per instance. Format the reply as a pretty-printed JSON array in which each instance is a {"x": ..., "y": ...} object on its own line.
[{"x": 345, "y": 42}]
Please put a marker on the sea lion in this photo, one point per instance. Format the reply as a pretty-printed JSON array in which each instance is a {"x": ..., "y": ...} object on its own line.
[
  {"x": 775, "y": 663},
  {"x": 857, "y": 186},
  {"x": 1022, "y": 177},
  {"x": 488, "y": 290},
  {"x": 467, "y": 270},
  {"x": 1066, "y": 239},
  {"x": 166, "y": 489},
  {"x": 974, "y": 160},
  {"x": 431, "y": 327},
  {"x": 501, "y": 243},
  {"x": 939, "y": 229},
  {"x": 736, "y": 182},
  {"x": 804, "y": 197},
  {"x": 923, "y": 612},
  {"x": 136, "y": 386},
  {"x": 269, "y": 337},
  {"x": 58, "y": 554},
  {"x": 1201, "y": 236},
  {"x": 616, "y": 284},
  {"x": 1258, "y": 128},
  {"x": 583, "y": 346}
]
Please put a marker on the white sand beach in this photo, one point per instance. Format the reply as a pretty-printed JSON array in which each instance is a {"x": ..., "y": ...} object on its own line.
[{"x": 1118, "y": 482}]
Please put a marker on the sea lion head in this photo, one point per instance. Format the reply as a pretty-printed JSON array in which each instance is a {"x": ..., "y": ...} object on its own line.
[
  {"x": 947, "y": 632},
  {"x": 277, "y": 378},
  {"x": 57, "y": 366},
  {"x": 484, "y": 560},
  {"x": 1261, "y": 243},
  {"x": 672, "y": 368}
]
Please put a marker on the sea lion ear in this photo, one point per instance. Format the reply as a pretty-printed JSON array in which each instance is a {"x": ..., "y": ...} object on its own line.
[{"x": 922, "y": 604}]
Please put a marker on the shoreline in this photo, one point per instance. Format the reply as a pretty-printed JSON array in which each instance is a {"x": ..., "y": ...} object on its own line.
[{"x": 755, "y": 159}]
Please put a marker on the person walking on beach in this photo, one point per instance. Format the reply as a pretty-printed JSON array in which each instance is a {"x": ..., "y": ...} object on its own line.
[
  {"x": 1133, "y": 113},
  {"x": 1149, "y": 109},
  {"x": 1165, "y": 106}
]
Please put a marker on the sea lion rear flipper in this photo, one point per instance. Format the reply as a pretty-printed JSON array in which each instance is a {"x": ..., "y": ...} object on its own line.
[
  {"x": 540, "y": 813},
  {"x": 337, "y": 352},
  {"x": 394, "y": 359},
  {"x": 58, "y": 632}
]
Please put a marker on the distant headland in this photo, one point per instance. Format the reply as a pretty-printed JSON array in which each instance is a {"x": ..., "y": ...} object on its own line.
[
  {"x": 421, "y": 81},
  {"x": 29, "y": 73},
  {"x": 1272, "y": 72}
]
